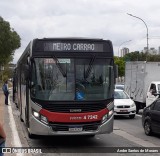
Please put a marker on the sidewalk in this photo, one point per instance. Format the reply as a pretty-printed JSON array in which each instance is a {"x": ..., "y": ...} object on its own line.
[
  {"x": 1, "y": 107},
  {"x": 4, "y": 119}
]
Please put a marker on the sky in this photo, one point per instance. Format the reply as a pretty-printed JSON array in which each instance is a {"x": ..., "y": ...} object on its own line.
[{"x": 106, "y": 19}]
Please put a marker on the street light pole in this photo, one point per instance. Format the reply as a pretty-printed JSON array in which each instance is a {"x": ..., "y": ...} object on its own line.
[
  {"x": 146, "y": 28},
  {"x": 122, "y": 44}
]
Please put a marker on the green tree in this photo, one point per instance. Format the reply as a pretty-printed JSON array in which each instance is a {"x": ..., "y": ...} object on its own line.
[
  {"x": 121, "y": 65},
  {"x": 137, "y": 56},
  {"x": 133, "y": 56},
  {"x": 9, "y": 42}
]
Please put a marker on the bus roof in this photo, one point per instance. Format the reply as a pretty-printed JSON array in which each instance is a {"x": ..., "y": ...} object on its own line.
[{"x": 70, "y": 38}]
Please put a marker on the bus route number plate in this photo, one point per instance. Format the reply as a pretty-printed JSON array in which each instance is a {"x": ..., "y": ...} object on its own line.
[{"x": 75, "y": 129}]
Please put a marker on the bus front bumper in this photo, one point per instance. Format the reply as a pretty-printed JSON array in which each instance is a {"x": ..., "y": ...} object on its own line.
[{"x": 39, "y": 128}]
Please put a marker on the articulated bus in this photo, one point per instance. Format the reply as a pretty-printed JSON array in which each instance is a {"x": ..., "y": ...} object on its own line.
[{"x": 65, "y": 86}]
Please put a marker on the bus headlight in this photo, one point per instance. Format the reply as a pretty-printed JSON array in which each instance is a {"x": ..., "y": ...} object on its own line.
[
  {"x": 35, "y": 114},
  {"x": 110, "y": 113},
  {"x": 44, "y": 119},
  {"x": 39, "y": 117},
  {"x": 105, "y": 117}
]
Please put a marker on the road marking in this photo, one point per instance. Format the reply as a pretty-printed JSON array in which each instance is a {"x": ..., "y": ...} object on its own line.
[
  {"x": 16, "y": 139},
  {"x": 134, "y": 139}
]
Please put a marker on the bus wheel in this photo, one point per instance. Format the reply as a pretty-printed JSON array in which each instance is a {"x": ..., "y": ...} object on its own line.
[
  {"x": 21, "y": 118},
  {"x": 90, "y": 136},
  {"x": 30, "y": 135}
]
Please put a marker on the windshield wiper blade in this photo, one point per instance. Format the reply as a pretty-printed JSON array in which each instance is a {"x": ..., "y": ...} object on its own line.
[
  {"x": 59, "y": 66},
  {"x": 87, "y": 73}
]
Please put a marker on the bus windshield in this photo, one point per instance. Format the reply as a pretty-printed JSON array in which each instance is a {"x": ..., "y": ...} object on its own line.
[{"x": 62, "y": 79}]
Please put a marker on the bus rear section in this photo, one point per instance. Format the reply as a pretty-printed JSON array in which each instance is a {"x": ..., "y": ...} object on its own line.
[{"x": 69, "y": 87}]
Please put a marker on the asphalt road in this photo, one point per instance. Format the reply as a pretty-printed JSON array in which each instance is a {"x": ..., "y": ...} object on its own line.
[{"x": 128, "y": 133}]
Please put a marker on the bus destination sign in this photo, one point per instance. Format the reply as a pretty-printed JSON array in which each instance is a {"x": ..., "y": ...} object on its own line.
[{"x": 72, "y": 47}]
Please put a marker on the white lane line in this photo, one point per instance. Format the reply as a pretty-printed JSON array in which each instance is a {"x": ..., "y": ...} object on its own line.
[{"x": 16, "y": 139}]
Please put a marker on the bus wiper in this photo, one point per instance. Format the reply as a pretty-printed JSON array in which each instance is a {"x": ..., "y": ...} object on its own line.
[
  {"x": 59, "y": 66},
  {"x": 87, "y": 73}
]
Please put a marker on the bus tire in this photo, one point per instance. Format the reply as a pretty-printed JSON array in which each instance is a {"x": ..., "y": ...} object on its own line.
[
  {"x": 21, "y": 118},
  {"x": 30, "y": 135},
  {"x": 90, "y": 136}
]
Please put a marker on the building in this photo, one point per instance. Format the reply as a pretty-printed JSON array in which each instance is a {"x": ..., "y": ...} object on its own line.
[
  {"x": 153, "y": 51},
  {"x": 145, "y": 50},
  {"x": 124, "y": 51}
]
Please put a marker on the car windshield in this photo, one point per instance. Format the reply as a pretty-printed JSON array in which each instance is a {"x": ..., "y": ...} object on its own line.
[
  {"x": 119, "y": 87},
  {"x": 71, "y": 79},
  {"x": 120, "y": 95}
]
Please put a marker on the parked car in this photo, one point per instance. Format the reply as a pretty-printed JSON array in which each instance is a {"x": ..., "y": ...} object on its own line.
[
  {"x": 151, "y": 118},
  {"x": 119, "y": 86},
  {"x": 123, "y": 104}
]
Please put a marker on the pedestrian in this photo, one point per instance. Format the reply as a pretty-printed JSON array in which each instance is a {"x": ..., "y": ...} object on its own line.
[
  {"x": 2, "y": 139},
  {"x": 6, "y": 91}
]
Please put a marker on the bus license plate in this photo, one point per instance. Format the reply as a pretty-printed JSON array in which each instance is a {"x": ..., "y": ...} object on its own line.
[{"x": 75, "y": 129}]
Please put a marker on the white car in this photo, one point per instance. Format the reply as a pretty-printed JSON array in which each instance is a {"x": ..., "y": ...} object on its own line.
[{"x": 123, "y": 104}]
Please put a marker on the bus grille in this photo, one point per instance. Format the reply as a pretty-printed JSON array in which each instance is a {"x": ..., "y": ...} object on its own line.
[
  {"x": 85, "y": 126},
  {"x": 74, "y": 108}
]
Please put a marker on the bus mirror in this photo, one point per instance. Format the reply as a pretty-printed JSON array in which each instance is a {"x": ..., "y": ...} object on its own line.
[
  {"x": 115, "y": 71},
  {"x": 32, "y": 84}
]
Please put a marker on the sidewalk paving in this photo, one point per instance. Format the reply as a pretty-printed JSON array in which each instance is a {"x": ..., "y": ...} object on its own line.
[
  {"x": 4, "y": 119},
  {"x": 9, "y": 116},
  {"x": 1, "y": 107}
]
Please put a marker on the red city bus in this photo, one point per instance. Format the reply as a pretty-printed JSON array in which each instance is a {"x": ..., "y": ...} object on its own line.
[{"x": 65, "y": 86}]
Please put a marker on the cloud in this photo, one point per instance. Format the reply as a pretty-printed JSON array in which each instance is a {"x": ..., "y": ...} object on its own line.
[{"x": 84, "y": 18}]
